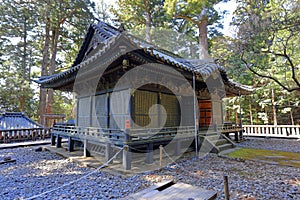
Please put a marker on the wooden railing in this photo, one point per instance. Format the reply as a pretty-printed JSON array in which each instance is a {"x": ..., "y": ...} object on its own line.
[
  {"x": 14, "y": 135},
  {"x": 285, "y": 131},
  {"x": 118, "y": 136},
  {"x": 228, "y": 128},
  {"x": 89, "y": 133},
  {"x": 165, "y": 133}
]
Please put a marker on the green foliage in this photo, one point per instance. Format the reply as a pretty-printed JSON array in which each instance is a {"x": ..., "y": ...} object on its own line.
[
  {"x": 188, "y": 13},
  {"x": 132, "y": 13},
  {"x": 22, "y": 39},
  {"x": 69, "y": 21},
  {"x": 263, "y": 54},
  {"x": 17, "y": 48},
  {"x": 63, "y": 104},
  {"x": 268, "y": 40}
]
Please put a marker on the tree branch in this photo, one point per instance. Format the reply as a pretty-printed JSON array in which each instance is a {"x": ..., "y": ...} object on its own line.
[
  {"x": 291, "y": 62},
  {"x": 268, "y": 77},
  {"x": 190, "y": 19},
  {"x": 284, "y": 54}
]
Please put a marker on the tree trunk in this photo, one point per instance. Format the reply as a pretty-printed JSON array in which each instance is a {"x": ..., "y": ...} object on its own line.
[
  {"x": 273, "y": 106},
  {"x": 237, "y": 117},
  {"x": 203, "y": 42},
  {"x": 291, "y": 114},
  {"x": 267, "y": 116},
  {"x": 250, "y": 110},
  {"x": 22, "y": 101},
  {"x": 43, "y": 92},
  {"x": 52, "y": 67},
  {"x": 257, "y": 120},
  {"x": 148, "y": 21},
  {"x": 24, "y": 57}
]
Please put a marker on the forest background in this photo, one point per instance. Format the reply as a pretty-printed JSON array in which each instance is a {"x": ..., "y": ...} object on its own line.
[{"x": 42, "y": 37}]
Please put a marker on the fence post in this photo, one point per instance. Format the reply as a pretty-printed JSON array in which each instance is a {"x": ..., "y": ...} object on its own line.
[
  {"x": 70, "y": 144},
  {"x": 149, "y": 154},
  {"x": 160, "y": 156},
  {"x": 58, "y": 142},
  {"x": 177, "y": 150},
  {"x": 226, "y": 188},
  {"x": 86, "y": 152},
  {"x": 108, "y": 152},
  {"x": 126, "y": 149},
  {"x": 126, "y": 157}
]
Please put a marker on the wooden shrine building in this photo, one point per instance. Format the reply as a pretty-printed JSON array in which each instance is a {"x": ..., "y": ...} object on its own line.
[
  {"x": 134, "y": 94},
  {"x": 17, "y": 126}
]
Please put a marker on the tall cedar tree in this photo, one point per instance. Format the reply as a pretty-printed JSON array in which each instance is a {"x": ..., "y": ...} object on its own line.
[
  {"x": 200, "y": 14},
  {"x": 60, "y": 18}
]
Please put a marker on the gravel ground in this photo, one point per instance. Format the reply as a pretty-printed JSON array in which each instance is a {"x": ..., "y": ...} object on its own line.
[
  {"x": 37, "y": 172},
  {"x": 272, "y": 144}
]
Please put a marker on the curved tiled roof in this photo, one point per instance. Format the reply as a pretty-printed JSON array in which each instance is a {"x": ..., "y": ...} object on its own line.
[
  {"x": 107, "y": 37},
  {"x": 16, "y": 120}
]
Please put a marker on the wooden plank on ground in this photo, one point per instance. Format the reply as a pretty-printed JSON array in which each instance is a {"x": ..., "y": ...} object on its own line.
[
  {"x": 175, "y": 191},
  {"x": 6, "y": 161}
]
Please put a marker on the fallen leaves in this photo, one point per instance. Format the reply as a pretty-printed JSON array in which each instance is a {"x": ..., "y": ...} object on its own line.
[{"x": 295, "y": 182}]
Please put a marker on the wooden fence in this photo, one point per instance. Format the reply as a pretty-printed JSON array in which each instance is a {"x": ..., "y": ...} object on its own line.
[
  {"x": 14, "y": 135},
  {"x": 282, "y": 131}
]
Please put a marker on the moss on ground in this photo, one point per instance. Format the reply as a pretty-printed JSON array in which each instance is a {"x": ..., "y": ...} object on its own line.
[{"x": 280, "y": 157}]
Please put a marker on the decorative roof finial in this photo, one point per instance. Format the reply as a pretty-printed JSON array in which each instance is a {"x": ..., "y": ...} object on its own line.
[{"x": 121, "y": 28}]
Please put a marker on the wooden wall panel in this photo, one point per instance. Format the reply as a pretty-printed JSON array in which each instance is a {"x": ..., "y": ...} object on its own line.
[
  {"x": 84, "y": 112},
  {"x": 171, "y": 105},
  {"x": 100, "y": 111},
  {"x": 119, "y": 109},
  {"x": 142, "y": 102}
]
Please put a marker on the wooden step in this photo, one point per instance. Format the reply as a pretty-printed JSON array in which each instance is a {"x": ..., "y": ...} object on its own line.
[
  {"x": 220, "y": 142},
  {"x": 212, "y": 137},
  {"x": 210, "y": 133},
  {"x": 225, "y": 147}
]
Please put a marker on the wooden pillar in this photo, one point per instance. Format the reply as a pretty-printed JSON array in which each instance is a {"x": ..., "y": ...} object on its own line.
[
  {"x": 107, "y": 110},
  {"x": 42, "y": 133},
  {"x": 91, "y": 111},
  {"x": 108, "y": 152},
  {"x": 77, "y": 110},
  {"x": 149, "y": 154},
  {"x": 5, "y": 137},
  {"x": 177, "y": 149},
  {"x": 19, "y": 134},
  {"x": 86, "y": 152},
  {"x": 58, "y": 143},
  {"x": 236, "y": 136},
  {"x": 159, "y": 112},
  {"x": 126, "y": 151},
  {"x": 241, "y": 135},
  {"x": 33, "y": 134},
  {"x": 70, "y": 144},
  {"x": 53, "y": 137},
  {"x": 9, "y": 135},
  {"x": 126, "y": 158}
]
